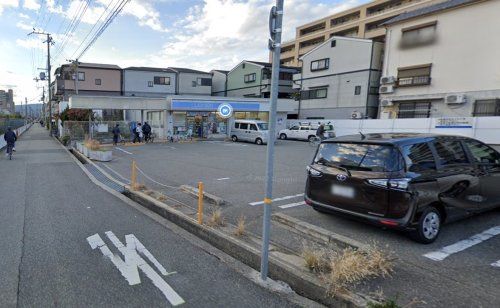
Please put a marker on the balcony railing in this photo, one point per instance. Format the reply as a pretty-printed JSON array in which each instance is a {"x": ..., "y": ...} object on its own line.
[{"x": 414, "y": 81}]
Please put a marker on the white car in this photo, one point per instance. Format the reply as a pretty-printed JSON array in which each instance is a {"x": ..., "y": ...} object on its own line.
[{"x": 305, "y": 132}]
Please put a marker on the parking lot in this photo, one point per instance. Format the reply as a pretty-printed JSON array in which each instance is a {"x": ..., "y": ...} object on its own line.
[{"x": 466, "y": 272}]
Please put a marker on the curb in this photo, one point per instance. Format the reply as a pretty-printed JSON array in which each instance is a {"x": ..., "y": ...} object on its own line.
[
  {"x": 317, "y": 233},
  {"x": 302, "y": 282},
  {"x": 212, "y": 198}
]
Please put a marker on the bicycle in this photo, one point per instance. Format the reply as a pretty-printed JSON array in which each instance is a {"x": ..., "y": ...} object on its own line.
[
  {"x": 314, "y": 141},
  {"x": 151, "y": 138},
  {"x": 9, "y": 150}
]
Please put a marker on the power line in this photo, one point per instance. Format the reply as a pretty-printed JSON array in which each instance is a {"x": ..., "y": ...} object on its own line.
[{"x": 104, "y": 26}]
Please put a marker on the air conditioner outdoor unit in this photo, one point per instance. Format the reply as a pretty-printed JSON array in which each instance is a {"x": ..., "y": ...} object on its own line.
[
  {"x": 388, "y": 80},
  {"x": 386, "y": 89},
  {"x": 356, "y": 115},
  {"x": 386, "y": 103},
  {"x": 455, "y": 99}
]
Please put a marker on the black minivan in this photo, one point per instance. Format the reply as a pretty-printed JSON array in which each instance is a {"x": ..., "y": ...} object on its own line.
[{"x": 413, "y": 182}]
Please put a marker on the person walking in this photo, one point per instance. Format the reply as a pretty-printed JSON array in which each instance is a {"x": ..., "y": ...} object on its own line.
[
  {"x": 320, "y": 132},
  {"x": 138, "y": 133},
  {"x": 116, "y": 134},
  {"x": 11, "y": 138},
  {"x": 147, "y": 131}
]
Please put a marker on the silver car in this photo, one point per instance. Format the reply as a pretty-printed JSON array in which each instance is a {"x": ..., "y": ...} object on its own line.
[{"x": 250, "y": 131}]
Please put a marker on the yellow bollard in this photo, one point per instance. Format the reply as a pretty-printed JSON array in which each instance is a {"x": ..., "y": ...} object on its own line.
[
  {"x": 133, "y": 176},
  {"x": 200, "y": 203}
]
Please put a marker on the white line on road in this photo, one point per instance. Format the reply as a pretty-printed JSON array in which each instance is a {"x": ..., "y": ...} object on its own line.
[
  {"x": 222, "y": 179},
  {"x": 277, "y": 199},
  {"x": 127, "y": 152},
  {"x": 496, "y": 264},
  {"x": 445, "y": 252},
  {"x": 286, "y": 206}
]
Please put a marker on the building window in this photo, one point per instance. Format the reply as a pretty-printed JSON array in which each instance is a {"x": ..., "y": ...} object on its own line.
[
  {"x": 418, "y": 75},
  {"x": 81, "y": 76},
  {"x": 319, "y": 65},
  {"x": 487, "y": 108},
  {"x": 314, "y": 93},
  {"x": 250, "y": 77},
  {"x": 414, "y": 110},
  {"x": 98, "y": 82},
  {"x": 333, "y": 43},
  {"x": 419, "y": 35},
  {"x": 150, "y": 84},
  {"x": 374, "y": 90},
  {"x": 161, "y": 80},
  {"x": 357, "y": 90},
  {"x": 205, "y": 82}
]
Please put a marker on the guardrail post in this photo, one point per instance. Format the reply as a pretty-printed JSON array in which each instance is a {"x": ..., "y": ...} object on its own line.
[
  {"x": 133, "y": 176},
  {"x": 200, "y": 203}
]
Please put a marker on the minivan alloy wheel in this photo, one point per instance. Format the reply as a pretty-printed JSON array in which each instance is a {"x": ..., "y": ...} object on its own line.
[{"x": 430, "y": 226}]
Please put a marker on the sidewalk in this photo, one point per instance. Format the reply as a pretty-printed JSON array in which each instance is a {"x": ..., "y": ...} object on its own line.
[{"x": 49, "y": 207}]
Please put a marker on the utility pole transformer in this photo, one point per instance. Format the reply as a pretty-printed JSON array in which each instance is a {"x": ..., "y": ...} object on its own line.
[{"x": 275, "y": 25}]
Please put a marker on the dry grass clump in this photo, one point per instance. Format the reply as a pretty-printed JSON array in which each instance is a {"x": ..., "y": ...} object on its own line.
[
  {"x": 149, "y": 192},
  {"x": 240, "y": 226},
  {"x": 216, "y": 219},
  {"x": 140, "y": 187},
  {"x": 93, "y": 144},
  {"x": 351, "y": 266},
  {"x": 315, "y": 259},
  {"x": 161, "y": 198}
]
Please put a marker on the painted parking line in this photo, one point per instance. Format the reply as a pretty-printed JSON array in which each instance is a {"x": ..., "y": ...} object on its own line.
[
  {"x": 287, "y": 206},
  {"x": 277, "y": 199},
  {"x": 445, "y": 252},
  {"x": 496, "y": 264},
  {"x": 223, "y": 179},
  {"x": 127, "y": 152}
]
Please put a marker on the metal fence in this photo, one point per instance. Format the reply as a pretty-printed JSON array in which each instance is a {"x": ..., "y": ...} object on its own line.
[
  {"x": 102, "y": 131},
  {"x": 13, "y": 123}
]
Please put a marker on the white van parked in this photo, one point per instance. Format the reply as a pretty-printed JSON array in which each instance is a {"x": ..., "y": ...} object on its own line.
[
  {"x": 250, "y": 131},
  {"x": 305, "y": 132}
]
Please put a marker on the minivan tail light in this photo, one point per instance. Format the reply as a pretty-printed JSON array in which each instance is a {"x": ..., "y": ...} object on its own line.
[
  {"x": 391, "y": 183},
  {"x": 313, "y": 172}
]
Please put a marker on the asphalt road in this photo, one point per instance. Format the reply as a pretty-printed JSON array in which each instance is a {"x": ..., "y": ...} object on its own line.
[
  {"x": 48, "y": 210},
  {"x": 235, "y": 172}
]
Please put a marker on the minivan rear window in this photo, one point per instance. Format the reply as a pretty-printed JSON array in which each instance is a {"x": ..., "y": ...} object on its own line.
[{"x": 364, "y": 157}]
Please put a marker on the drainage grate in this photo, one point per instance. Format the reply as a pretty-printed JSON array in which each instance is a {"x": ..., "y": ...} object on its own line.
[{"x": 103, "y": 179}]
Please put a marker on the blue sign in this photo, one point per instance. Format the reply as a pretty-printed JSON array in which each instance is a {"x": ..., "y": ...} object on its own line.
[
  {"x": 225, "y": 110},
  {"x": 202, "y": 105}
]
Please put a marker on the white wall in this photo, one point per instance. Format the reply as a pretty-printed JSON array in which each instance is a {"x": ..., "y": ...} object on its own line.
[
  {"x": 19, "y": 131},
  {"x": 485, "y": 129}
]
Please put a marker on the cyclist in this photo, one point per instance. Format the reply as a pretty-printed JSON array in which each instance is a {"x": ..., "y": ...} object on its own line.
[
  {"x": 11, "y": 138},
  {"x": 320, "y": 132},
  {"x": 146, "y": 129}
]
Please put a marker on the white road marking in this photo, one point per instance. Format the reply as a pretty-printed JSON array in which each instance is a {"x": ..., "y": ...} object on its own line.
[
  {"x": 127, "y": 152},
  {"x": 222, "y": 179},
  {"x": 445, "y": 252},
  {"x": 277, "y": 199},
  {"x": 133, "y": 262},
  {"x": 496, "y": 264},
  {"x": 286, "y": 206}
]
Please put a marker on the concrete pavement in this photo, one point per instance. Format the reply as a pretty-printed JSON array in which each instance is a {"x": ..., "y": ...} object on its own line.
[{"x": 48, "y": 210}]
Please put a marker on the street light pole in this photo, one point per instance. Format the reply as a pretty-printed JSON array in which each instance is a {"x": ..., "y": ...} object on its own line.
[{"x": 275, "y": 22}]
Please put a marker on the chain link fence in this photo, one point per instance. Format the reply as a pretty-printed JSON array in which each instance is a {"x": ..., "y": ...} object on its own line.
[{"x": 99, "y": 130}]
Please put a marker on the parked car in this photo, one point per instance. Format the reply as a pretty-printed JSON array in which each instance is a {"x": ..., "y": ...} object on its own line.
[
  {"x": 250, "y": 131},
  {"x": 305, "y": 132},
  {"x": 413, "y": 182}
]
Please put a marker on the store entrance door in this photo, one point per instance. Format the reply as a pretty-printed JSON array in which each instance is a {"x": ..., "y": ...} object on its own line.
[
  {"x": 206, "y": 125},
  {"x": 196, "y": 126}
]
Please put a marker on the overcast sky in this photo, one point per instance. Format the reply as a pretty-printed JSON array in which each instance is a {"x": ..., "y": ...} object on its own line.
[{"x": 199, "y": 34}]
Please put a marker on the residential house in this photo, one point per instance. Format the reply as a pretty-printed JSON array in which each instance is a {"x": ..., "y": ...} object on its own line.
[
  {"x": 253, "y": 79},
  {"x": 219, "y": 82},
  {"x": 340, "y": 79},
  {"x": 192, "y": 82},
  {"x": 441, "y": 61},
  {"x": 148, "y": 82}
]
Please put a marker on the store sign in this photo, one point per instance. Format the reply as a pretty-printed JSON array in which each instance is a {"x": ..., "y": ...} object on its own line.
[
  {"x": 225, "y": 110},
  {"x": 455, "y": 122},
  {"x": 202, "y": 105}
]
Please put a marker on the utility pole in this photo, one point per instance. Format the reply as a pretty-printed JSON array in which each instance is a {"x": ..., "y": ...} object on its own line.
[
  {"x": 25, "y": 110},
  {"x": 49, "y": 42},
  {"x": 275, "y": 22}
]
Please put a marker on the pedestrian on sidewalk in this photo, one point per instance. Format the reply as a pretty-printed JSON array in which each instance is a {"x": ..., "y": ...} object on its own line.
[
  {"x": 138, "y": 134},
  {"x": 147, "y": 131},
  {"x": 116, "y": 134},
  {"x": 11, "y": 138}
]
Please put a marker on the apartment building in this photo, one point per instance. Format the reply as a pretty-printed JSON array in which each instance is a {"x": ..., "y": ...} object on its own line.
[
  {"x": 339, "y": 79},
  {"x": 7, "y": 102},
  {"x": 436, "y": 65},
  {"x": 253, "y": 79},
  {"x": 365, "y": 21}
]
